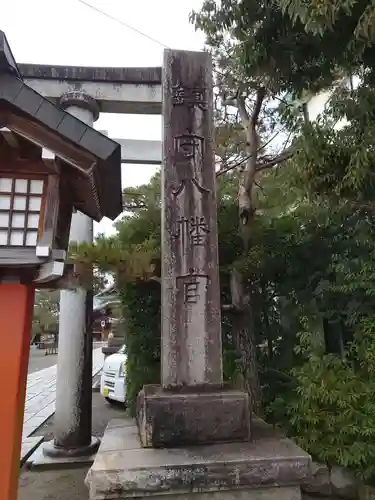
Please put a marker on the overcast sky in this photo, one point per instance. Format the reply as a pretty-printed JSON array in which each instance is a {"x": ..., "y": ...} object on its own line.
[{"x": 67, "y": 32}]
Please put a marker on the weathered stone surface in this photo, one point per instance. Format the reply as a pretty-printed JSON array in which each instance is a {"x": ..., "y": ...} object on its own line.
[
  {"x": 343, "y": 483},
  {"x": 170, "y": 419},
  {"x": 306, "y": 496},
  {"x": 366, "y": 493},
  {"x": 334, "y": 483},
  {"x": 319, "y": 481},
  {"x": 282, "y": 493},
  {"x": 192, "y": 407},
  {"x": 191, "y": 322},
  {"x": 150, "y": 76},
  {"x": 123, "y": 468}
]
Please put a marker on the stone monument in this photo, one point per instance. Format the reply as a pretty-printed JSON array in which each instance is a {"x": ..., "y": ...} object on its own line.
[
  {"x": 192, "y": 405},
  {"x": 193, "y": 433}
]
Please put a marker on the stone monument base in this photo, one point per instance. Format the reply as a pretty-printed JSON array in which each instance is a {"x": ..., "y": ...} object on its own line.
[
  {"x": 192, "y": 416},
  {"x": 270, "y": 467}
]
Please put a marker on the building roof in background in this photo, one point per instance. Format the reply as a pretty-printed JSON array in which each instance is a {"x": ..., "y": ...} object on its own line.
[{"x": 108, "y": 296}]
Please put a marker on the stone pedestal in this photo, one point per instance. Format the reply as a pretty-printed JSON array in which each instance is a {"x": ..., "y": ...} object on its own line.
[
  {"x": 197, "y": 416},
  {"x": 269, "y": 468}
]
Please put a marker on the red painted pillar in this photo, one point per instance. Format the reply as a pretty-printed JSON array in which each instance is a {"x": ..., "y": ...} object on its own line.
[{"x": 16, "y": 310}]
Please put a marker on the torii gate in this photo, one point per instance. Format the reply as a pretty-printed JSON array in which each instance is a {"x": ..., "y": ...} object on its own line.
[
  {"x": 115, "y": 90},
  {"x": 85, "y": 92}
]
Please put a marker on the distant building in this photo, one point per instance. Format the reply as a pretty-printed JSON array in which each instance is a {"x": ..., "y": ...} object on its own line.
[{"x": 103, "y": 305}]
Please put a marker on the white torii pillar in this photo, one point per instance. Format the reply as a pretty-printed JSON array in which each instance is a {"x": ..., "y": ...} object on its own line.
[{"x": 73, "y": 417}]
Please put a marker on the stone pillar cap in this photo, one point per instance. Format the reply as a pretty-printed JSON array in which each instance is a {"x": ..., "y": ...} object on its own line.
[{"x": 81, "y": 100}]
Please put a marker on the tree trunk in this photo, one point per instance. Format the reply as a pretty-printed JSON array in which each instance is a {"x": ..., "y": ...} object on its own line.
[
  {"x": 242, "y": 293},
  {"x": 244, "y": 338},
  {"x": 245, "y": 343},
  {"x": 266, "y": 322}
]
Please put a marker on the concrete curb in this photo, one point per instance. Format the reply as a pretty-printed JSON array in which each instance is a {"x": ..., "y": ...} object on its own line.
[{"x": 29, "y": 445}]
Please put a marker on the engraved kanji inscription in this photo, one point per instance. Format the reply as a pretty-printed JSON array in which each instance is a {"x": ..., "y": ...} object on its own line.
[
  {"x": 199, "y": 98},
  {"x": 198, "y": 230},
  {"x": 191, "y": 289},
  {"x": 192, "y": 285},
  {"x": 194, "y": 229},
  {"x": 189, "y": 148},
  {"x": 189, "y": 96},
  {"x": 178, "y": 94}
]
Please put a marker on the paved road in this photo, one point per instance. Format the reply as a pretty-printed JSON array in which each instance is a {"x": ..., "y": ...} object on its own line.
[
  {"x": 41, "y": 396},
  {"x": 38, "y": 359}
]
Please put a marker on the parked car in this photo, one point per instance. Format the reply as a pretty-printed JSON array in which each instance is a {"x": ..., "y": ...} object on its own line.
[{"x": 113, "y": 380}]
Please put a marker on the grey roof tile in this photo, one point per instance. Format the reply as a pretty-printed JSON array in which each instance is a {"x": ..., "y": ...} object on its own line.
[
  {"x": 49, "y": 114},
  {"x": 10, "y": 87},
  {"x": 71, "y": 128},
  {"x": 7, "y": 62},
  {"x": 100, "y": 145},
  {"x": 27, "y": 101},
  {"x": 21, "y": 98}
]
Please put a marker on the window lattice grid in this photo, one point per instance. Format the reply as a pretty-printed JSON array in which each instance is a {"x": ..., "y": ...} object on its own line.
[{"x": 20, "y": 209}]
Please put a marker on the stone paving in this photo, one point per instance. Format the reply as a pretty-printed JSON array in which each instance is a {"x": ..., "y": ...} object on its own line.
[
  {"x": 41, "y": 395},
  {"x": 29, "y": 445}
]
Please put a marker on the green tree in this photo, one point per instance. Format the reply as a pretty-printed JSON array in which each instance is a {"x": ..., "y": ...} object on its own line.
[
  {"x": 295, "y": 219},
  {"x": 139, "y": 280},
  {"x": 268, "y": 64},
  {"x": 46, "y": 312},
  {"x": 338, "y": 15},
  {"x": 246, "y": 41}
]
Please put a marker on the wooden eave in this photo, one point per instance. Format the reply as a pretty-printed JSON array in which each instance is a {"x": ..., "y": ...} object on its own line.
[
  {"x": 18, "y": 154},
  {"x": 95, "y": 158}
]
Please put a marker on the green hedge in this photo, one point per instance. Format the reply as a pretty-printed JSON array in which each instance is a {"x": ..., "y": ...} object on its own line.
[
  {"x": 141, "y": 302},
  {"x": 142, "y": 306}
]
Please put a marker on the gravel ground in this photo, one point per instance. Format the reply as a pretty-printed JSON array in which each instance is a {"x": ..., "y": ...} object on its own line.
[{"x": 65, "y": 484}]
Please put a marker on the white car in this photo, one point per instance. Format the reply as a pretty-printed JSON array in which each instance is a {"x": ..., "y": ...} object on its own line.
[{"x": 112, "y": 380}]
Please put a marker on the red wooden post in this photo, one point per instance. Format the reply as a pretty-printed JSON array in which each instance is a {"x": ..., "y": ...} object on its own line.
[{"x": 16, "y": 310}]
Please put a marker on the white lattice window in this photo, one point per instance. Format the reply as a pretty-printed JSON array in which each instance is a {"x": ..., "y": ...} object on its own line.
[{"x": 21, "y": 210}]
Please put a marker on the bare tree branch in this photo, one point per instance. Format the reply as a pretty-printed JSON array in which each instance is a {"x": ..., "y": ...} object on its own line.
[
  {"x": 244, "y": 115},
  {"x": 261, "y": 94},
  {"x": 243, "y": 160},
  {"x": 258, "y": 185},
  {"x": 249, "y": 123},
  {"x": 285, "y": 155},
  {"x": 305, "y": 112}
]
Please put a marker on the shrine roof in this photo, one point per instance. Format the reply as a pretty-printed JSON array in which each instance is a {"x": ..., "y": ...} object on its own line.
[{"x": 90, "y": 159}]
